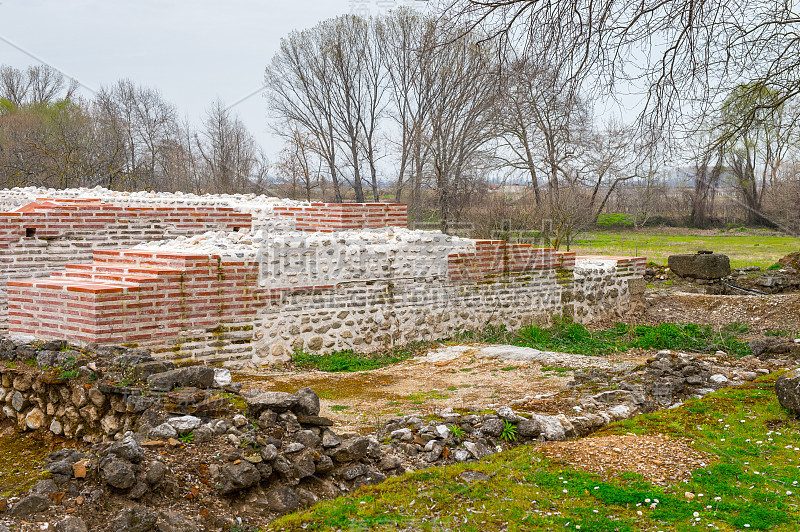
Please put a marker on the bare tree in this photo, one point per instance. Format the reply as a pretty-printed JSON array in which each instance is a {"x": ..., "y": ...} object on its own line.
[
  {"x": 408, "y": 40},
  {"x": 298, "y": 167},
  {"x": 231, "y": 161},
  {"x": 299, "y": 95},
  {"x": 756, "y": 152},
  {"x": 147, "y": 125},
  {"x": 461, "y": 117},
  {"x": 38, "y": 84},
  {"x": 545, "y": 124},
  {"x": 13, "y": 85},
  {"x": 685, "y": 56}
]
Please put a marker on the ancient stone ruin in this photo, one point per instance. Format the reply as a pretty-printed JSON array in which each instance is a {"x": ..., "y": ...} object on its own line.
[{"x": 246, "y": 279}]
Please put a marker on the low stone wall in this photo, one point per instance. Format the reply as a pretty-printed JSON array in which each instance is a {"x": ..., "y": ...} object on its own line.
[{"x": 607, "y": 288}]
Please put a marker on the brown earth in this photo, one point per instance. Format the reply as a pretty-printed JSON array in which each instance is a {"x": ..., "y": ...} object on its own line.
[
  {"x": 362, "y": 401},
  {"x": 657, "y": 458},
  {"x": 762, "y": 313}
]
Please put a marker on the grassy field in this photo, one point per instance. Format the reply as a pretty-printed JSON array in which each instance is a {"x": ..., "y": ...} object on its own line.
[
  {"x": 745, "y": 248},
  {"x": 751, "y": 484}
]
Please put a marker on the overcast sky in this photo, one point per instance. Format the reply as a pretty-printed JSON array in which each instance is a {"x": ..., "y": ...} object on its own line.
[{"x": 193, "y": 51}]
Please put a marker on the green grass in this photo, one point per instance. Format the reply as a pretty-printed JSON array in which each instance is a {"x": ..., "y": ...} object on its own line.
[
  {"x": 575, "y": 338},
  {"x": 751, "y": 483},
  {"x": 348, "y": 360},
  {"x": 748, "y": 248}
]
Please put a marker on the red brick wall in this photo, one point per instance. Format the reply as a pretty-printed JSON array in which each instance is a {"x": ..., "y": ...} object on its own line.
[
  {"x": 129, "y": 296},
  {"x": 497, "y": 257},
  {"x": 49, "y": 234},
  {"x": 54, "y": 218},
  {"x": 331, "y": 217}
]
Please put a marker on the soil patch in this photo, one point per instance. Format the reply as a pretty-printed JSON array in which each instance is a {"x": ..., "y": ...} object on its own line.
[
  {"x": 657, "y": 458},
  {"x": 762, "y": 313}
]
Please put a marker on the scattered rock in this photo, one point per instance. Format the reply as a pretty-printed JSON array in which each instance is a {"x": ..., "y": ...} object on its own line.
[
  {"x": 127, "y": 449},
  {"x": 175, "y": 522},
  {"x": 473, "y": 476},
  {"x": 192, "y": 376},
  {"x": 700, "y": 266},
  {"x": 135, "y": 519},
  {"x": 238, "y": 476},
  {"x": 307, "y": 402},
  {"x": 787, "y": 388},
  {"x": 275, "y": 401},
  {"x": 117, "y": 473},
  {"x": 493, "y": 427},
  {"x": 71, "y": 523},
  {"x": 35, "y": 503},
  {"x": 350, "y": 451},
  {"x": 185, "y": 424},
  {"x": 45, "y": 487},
  {"x": 283, "y": 499}
]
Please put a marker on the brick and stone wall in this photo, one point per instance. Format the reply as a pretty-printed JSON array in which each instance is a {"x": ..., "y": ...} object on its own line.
[
  {"x": 220, "y": 307},
  {"x": 243, "y": 278},
  {"x": 46, "y": 235}
]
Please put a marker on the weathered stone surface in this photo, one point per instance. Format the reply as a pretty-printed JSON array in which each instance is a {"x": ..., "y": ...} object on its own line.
[
  {"x": 144, "y": 370},
  {"x": 283, "y": 499},
  {"x": 164, "y": 432},
  {"x": 330, "y": 439},
  {"x": 304, "y": 465},
  {"x": 787, "y": 388},
  {"x": 493, "y": 427},
  {"x": 236, "y": 477},
  {"x": 317, "y": 421},
  {"x": 275, "y": 401},
  {"x": 194, "y": 376},
  {"x": 203, "y": 434},
  {"x": 45, "y": 487},
  {"x": 155, "y": 472},
  {"x": 282, "y": 466},
  {"x": 71, "y": 523},
  {"x": 185, "y": 400},
  {"x": 351, "y": 450},
  {"x": 528, "y": 429},
  {"x": 135, "y": 519},
  {"x": 473, "y": 476},
  {"x": 34, "y": 503},
  {"x": 307, "y": 438},
  {"x": 127, "y": 449},
  {"x": 175, "y": 522},
  {"x": 61, "y": 462},
  {"x": 118, "y": 473},
  {"x": 700, "y": 266},
  {"x": 185, "y": 424},
  {"x": 222, "y": 377},
  {"x": 35, "y": 419},
  {"x": 269, "y": 452},
  {"x": 477, "y": 450},
  {"x": 307, "y": 402},
  {"x": 550, "y": 426},
  {"x": 324, "y": 464}
]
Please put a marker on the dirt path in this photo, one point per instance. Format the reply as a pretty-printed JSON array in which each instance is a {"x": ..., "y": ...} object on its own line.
[{"x": 462, "y": 376}]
